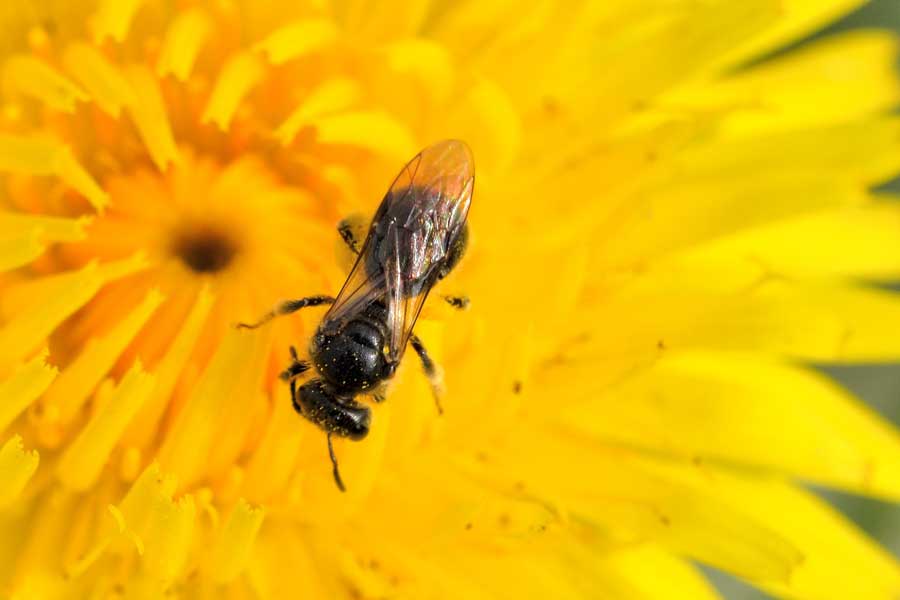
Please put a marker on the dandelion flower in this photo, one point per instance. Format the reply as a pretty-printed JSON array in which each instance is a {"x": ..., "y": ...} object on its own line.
[{"x": 666, "y": 233}]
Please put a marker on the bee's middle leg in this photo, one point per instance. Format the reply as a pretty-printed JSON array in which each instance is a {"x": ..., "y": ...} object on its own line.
[{"x": 432, "y": 371}]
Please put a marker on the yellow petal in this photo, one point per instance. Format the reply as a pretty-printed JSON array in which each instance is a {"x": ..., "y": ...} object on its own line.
[
  {"x": 144, "y": 425},
  {"x": 796, "y": 18},
  {"x": 280, "y": 550},
  {"x": 168, "y": 537},
  {"x": 861, "y": 151},
  {"x": 183, "y": 40},
  {"x": 191, "y": 440},
  {"x": 41, "y": 304},
  {"x": 650, "y": 572},
  {"x": 298, "y": 39},
  {"x": 20, "y": 249},
  {"x": 366, "y": 20},
  {"x": 16, "y": 468},
  {"x": 746, "y": 309},
  {"x": 743, "y": 184},
  {"x": 722, "y": 407},
  {"x": 41, "y": 584},
  {"x": 793, "y": 247},
  {"x": 46, "y": 156},
  {"x": 56, "y": 229},
  {"x": 830, "y": 545},
  {"x": 239, "y": 75},
  {"x": 620, "y": 499},
  {"x": 103, "y": 80},
  {"x": 542, "y": 579},
  {"x": 372, "y": 130},
  {"x": 23, "y": 237},
  {"x": 76, "y": 382},
  {"x": 238, "y": 405},
  {"x": 87, "y": 454},
  {"x": 31, "y": 76},
  {"x": 23, "y": 386},
  {"x": 653, "y": 46},
  {"x": 113, "y": 18},
  {"x": 845, "y": 77},
  {"x": 229, "y": 555},
  {"x": 149, "y": 115},
  {"x": 43, "y": 548},
  {"x": 136, "y": 510},
  {"x": 272, "y": 463},
  {"x": 486, "y": 118},
  {"x": 334, "y": 95},
  {"x": 427, "y": 61}
]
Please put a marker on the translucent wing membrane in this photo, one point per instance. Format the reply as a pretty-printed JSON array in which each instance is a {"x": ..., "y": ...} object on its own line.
[{"x": 410, "y": 240}]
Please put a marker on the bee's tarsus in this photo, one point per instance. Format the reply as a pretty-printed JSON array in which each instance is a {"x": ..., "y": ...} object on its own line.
[
  {"x": 458, "y": 302},
  {"x": 334, "y": 466},
  {"x": 431, "y": 371}
]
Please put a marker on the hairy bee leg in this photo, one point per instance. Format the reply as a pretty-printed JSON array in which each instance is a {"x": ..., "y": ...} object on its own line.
[
  {"x": 431, "y": 371},
  {"x": 334, "y": 465},
  {"x": 458, "y": 302},
  {"x": 287, "y": 307},
  {"x": 349, "y": 229}
]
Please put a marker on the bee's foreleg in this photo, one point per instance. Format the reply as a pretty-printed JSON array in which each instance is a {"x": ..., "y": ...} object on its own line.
[{"x": 287, "y": 307}]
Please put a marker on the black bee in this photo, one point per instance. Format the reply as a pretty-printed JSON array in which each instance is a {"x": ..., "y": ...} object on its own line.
[{"x": 417, "y": 236}]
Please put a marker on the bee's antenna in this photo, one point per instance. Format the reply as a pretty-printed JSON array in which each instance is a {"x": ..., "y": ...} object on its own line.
[{"x": 337, "y": 474}]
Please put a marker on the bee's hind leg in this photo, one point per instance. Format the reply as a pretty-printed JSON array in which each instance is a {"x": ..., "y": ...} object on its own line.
[{"x": 432, "y": 371}]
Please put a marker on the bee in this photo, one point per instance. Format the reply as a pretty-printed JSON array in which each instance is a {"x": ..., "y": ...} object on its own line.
[{"x": 417, "y": 236}]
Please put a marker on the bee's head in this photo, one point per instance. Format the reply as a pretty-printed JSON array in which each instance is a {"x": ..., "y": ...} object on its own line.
[{"x": 341, "y": 416}]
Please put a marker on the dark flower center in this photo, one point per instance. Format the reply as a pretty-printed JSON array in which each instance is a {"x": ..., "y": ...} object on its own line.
[{"x": 205, "y": 250}]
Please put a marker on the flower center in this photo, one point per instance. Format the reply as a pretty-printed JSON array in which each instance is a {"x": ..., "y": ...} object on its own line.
[{"x": 204, "y": 249}]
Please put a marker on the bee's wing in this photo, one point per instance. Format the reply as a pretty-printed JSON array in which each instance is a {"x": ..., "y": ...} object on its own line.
[
  {"x": 359, "y": 291},
  {"x": 410, "y": 238},
  {"x": 430, "y": 199}
]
